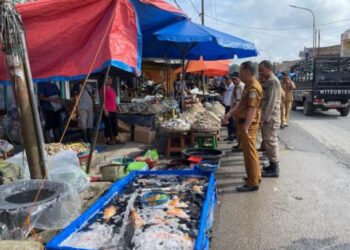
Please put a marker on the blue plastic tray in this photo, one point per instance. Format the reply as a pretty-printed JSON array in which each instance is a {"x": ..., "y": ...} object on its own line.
[{"x": 206, "y": 219}]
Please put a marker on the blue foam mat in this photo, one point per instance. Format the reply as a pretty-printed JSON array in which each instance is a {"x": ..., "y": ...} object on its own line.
[{"x": 206, "y": 219}]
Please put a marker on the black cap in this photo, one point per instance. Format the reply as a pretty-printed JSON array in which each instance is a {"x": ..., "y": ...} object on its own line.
[{"x": 235, "y": 74}]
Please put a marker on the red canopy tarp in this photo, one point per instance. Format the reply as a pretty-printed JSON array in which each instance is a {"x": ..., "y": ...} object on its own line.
[
  {"x": 209, "y": 68},
  {"x": 68, "y": 38}
]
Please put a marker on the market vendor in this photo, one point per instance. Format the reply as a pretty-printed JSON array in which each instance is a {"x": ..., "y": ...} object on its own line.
[
  {"x": 180, "y": 86},
  {"x": 85, "y": 109},
  {"x": 49, "y": 96},
  {"x": 110, "y": 114},
  {"x": 181, "y": 90}
]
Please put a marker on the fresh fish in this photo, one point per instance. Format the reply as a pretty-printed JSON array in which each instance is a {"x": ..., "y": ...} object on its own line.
[
  {"x": 109, "y": 213},
  {"x": 136, "y": 219},
  {"x": 177, "y": 204},
  {"x": 197, "y": 189},
  {"x": 178, "y": 212},
  {"x": 190, "y": 181}
]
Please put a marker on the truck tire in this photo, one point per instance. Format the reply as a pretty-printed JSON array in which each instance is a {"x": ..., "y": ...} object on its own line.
[
  {"x": 308, "y": 108},
  {"x": 344, "y": 111},
  {"x": 294, "y": 106}
]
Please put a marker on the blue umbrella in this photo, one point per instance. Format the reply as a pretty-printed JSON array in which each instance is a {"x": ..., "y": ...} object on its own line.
[{"x": 187, "y": 40}]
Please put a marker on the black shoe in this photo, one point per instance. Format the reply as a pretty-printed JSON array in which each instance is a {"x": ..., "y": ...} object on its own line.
[
  {"x": 245, "y": 178},
  {"x": 265, "y": 168},
  {"x": 263, "y": 158},
  {"x": 286, "y": 125},
  {"x": 270, "y": 174},
  {"x": 265, "y": 165},
  {"x": 271, "y": 171},
  {"x": 247, "y": 188},
  {"x": 228, "y": 139},
  {"x": 236, "y": 149},
  {"x": 282, "y": 126}
]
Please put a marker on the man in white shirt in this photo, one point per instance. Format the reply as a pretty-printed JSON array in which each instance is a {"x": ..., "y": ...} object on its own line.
[
  {"x": 85, "y": 110},
  {"x": 227, "y": 100},
  {"x": 236, "y": 97}
]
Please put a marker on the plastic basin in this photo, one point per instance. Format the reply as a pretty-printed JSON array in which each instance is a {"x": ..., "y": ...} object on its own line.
[
  {"x": 124, "y": 161},
  {"x": 205, "y": 153}
]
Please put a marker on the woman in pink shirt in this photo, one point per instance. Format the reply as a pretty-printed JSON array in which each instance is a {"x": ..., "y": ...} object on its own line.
[{"x": 110, "y": 113}]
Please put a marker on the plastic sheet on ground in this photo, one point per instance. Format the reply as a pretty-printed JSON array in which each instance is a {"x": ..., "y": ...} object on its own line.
[
  {"x": 57, "y": 205},
  {"x": 65, "y": 167}
]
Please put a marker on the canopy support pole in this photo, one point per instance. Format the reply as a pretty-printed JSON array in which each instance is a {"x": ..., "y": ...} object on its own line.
[
  {"x": 33, "y": 100},
  {"x": 102, "y": 104}
]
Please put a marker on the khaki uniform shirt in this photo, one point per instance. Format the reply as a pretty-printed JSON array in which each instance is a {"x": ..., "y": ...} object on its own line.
[
  {"x": 251, "y": 97},
  {"x": 271, "y": 105},
  {"x": 287, "y": 88}
]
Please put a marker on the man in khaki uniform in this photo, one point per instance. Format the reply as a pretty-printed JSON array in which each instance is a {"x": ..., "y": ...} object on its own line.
[
  {"x": 287, "y": 85},
  {"x": 247, "y": 112},
  {"x": 270, "y": 117}
]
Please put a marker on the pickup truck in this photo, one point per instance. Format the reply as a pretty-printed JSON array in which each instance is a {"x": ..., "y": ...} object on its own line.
[{"x": 322, "y": 83}]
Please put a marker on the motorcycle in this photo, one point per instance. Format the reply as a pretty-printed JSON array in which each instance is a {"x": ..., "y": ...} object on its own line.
[{"x": 155, "y": 89}]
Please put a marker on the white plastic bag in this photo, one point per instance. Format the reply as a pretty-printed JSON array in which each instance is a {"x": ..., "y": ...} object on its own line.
[
  {"x": 64, "y": 166},
  {"x": 20, "y": 159},
  {"x": 5, "y": 146}
]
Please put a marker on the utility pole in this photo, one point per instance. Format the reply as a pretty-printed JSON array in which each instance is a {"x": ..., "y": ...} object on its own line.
[
  {"x": 202, "y": 73},
  {"x": 202, "y": 13},
  {"x": 12, "y": 39},
  {"x": 319, "y": 41},
  {"x": 314, "y": 36}
]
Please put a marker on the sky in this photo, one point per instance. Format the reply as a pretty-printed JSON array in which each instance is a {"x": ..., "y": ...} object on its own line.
[{"x": 261, "y": 16}]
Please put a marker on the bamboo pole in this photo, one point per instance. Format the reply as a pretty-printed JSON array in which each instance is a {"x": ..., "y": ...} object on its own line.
[
  {"x": 14, "y": 48},
  {"x": 29, "y": 133}
]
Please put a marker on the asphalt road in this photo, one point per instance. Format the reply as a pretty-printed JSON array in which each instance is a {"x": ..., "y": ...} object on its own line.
[{"x": 308, "y": 207}]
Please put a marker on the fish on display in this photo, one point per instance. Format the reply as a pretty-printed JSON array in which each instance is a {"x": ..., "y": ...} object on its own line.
[{"x": 109, "y": 213}]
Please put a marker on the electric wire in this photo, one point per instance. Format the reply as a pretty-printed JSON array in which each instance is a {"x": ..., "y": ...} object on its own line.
[{"x": 274, "y": 28}]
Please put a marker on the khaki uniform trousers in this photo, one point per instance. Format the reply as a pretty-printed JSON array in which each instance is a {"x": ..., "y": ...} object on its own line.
[
  {"x": 270, "y": 138},
  {"x": 286, "y": 107},
  {"x": 250, "y": 154},
  {"x": 238, "y": 134}
]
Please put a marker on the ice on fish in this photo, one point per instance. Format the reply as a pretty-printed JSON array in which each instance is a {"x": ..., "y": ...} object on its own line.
[
  {"x": 128, "y": 223},
  {"x": 95, "y": 237}
]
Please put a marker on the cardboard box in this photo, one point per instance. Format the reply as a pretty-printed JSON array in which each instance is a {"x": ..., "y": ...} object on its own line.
[
  {"x": 144, "y": 135},
  {"x": 124, "y": 137},
  {"x": 123, "y": 126}
]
